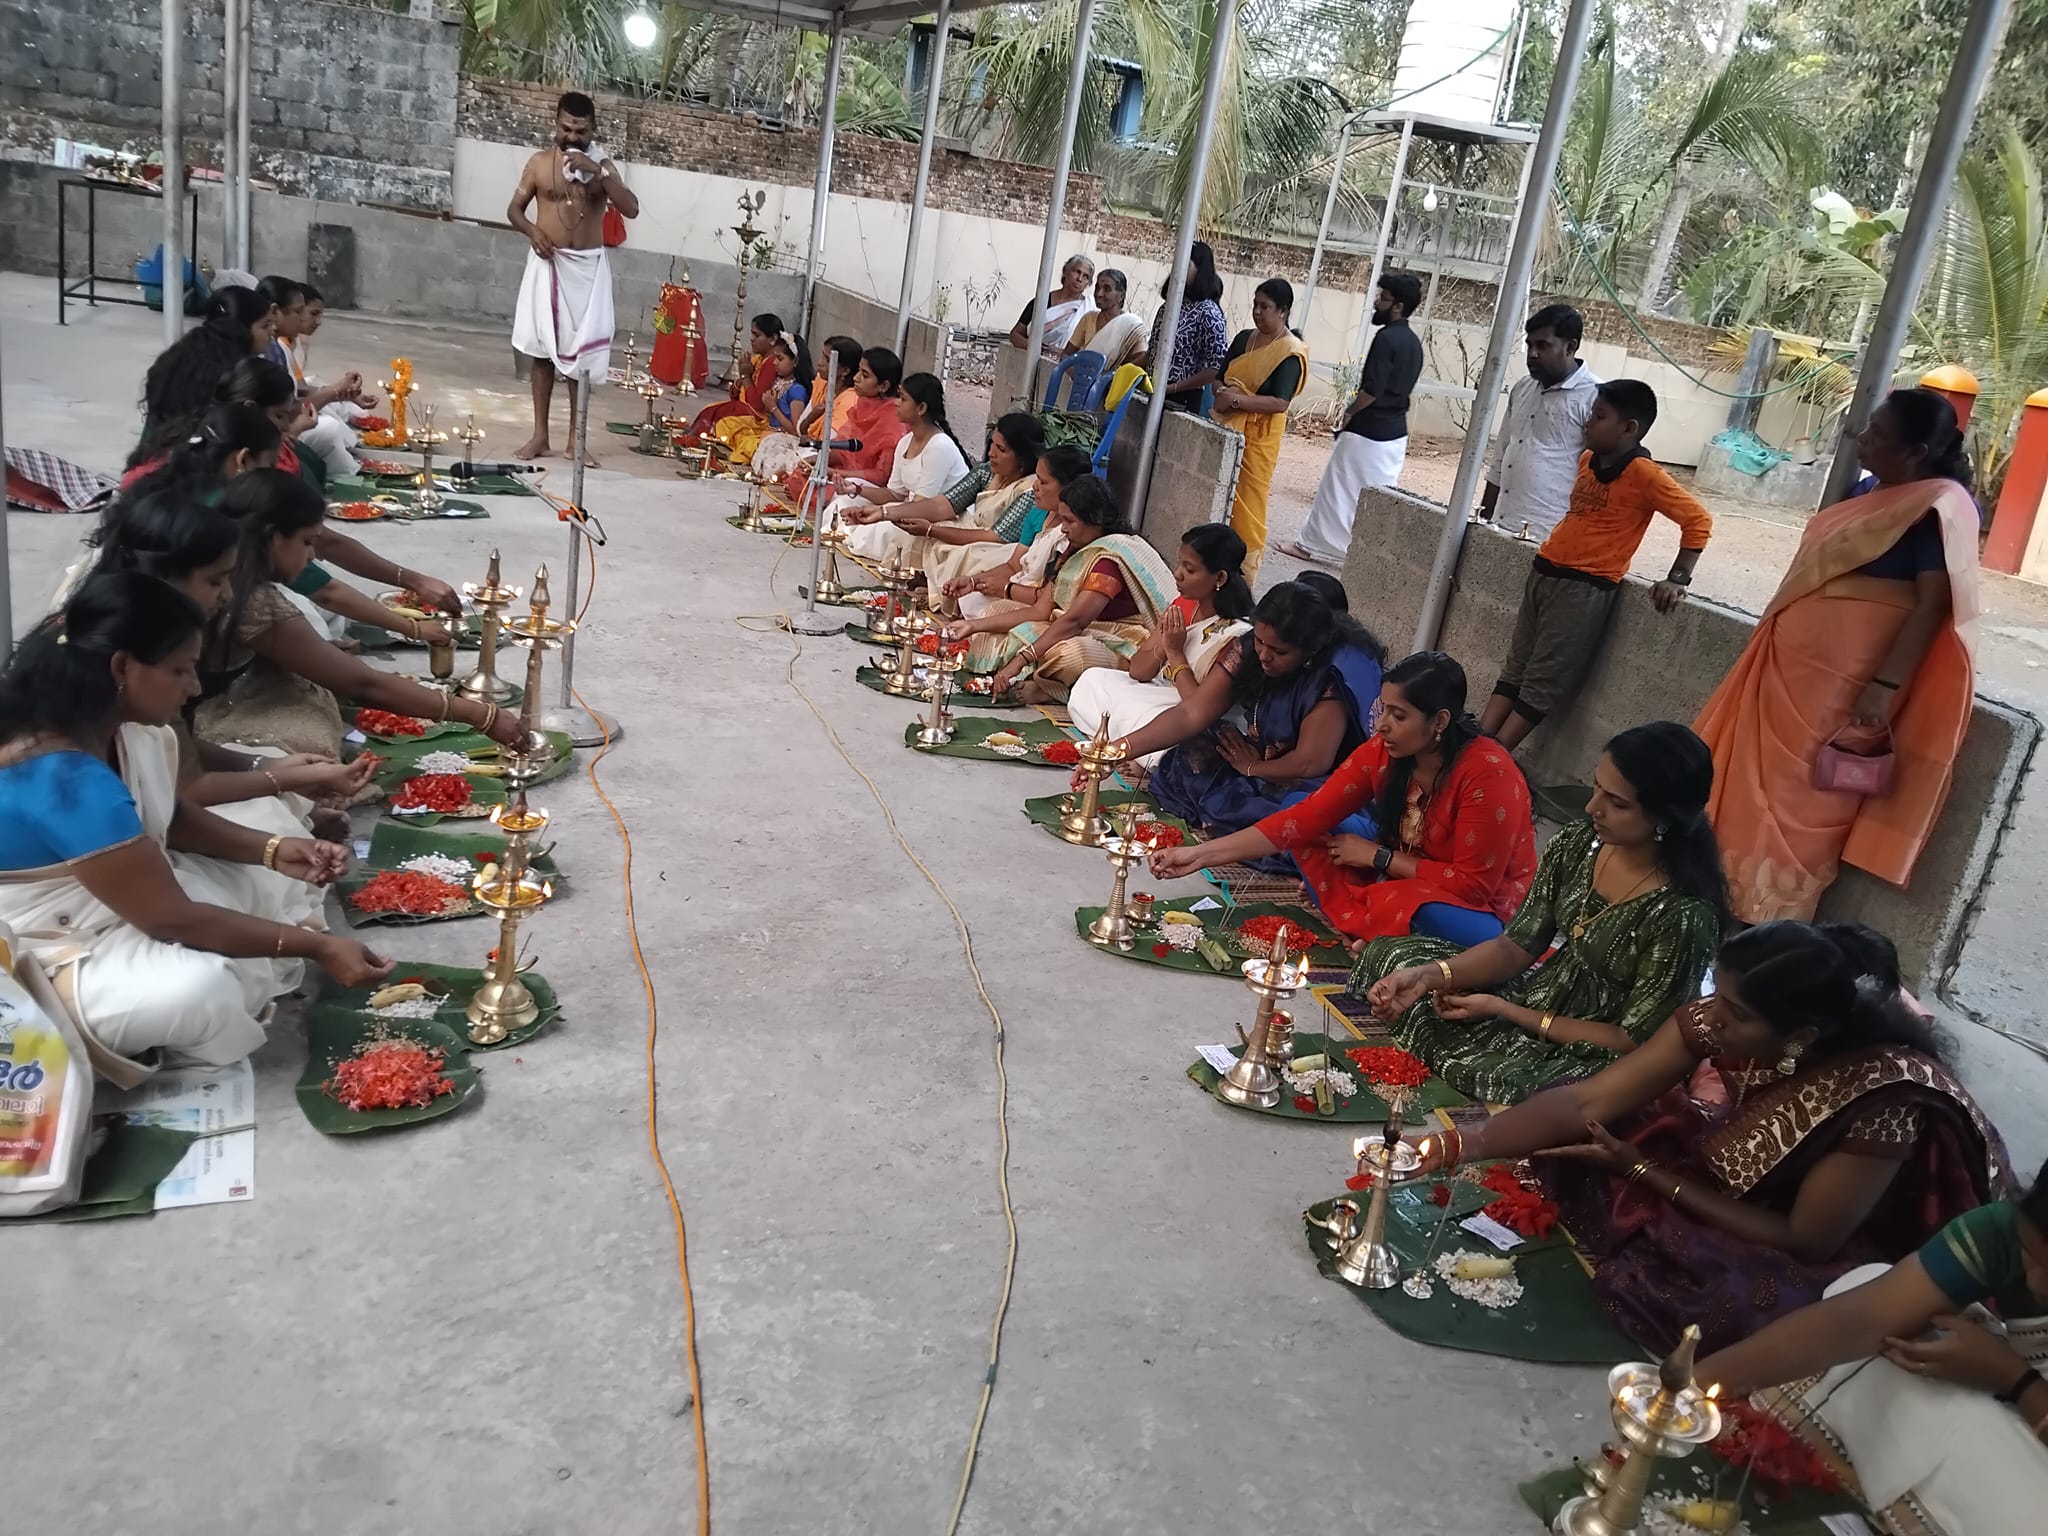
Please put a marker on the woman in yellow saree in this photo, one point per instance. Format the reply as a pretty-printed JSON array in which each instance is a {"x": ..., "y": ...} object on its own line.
[
  {"x": 751, "y": 402},
  {"x": 1104, "y": 591},
  {"x": 1867, "y": 645},
  {"x": 1266, "y": 368}
]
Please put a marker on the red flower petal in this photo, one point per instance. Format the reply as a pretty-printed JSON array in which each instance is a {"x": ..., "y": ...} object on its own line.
[
  {"x": 1305, "y": 1103},
  {"x": 1162, "y": 950},
  {"x": 1439, "y": 1194}
]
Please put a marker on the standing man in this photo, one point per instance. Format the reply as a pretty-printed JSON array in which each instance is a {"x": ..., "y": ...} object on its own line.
[
  {"x": 1372, "y": 444},
  {"x": 564, "y": 318},
  {"x": 1535, "y": 459}
]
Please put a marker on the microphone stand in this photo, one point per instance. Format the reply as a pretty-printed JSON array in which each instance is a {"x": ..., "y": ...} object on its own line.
[
  {"x": 810, "y": 621},
  {"x": 585, "y": 727}
]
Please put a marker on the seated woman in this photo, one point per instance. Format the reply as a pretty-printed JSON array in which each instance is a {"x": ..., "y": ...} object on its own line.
[
  {"x": 1450, "y": 806},
  {"x": 967, "y": 514},
  {"x": 779, "y": 452},
  {"x": 271, "y": 678},
  {"x": 1307, "y": 679},
  {"x": 927, "y": 462},
  {"x": 140, "y": 907},
  {"x": 750, "y": 396},
  {"x": 1171, "y": 665},
  {"x": 1101, "y": 596},
  {"x": 180, "y": 383},
  {"x": 195, "y": 547},
  {"x": 1765, "y": 1140},
  {"x": 1635, "y": 902},
  {"x": 968, "y": 580},
  {"x": 787, "y": 394},
  {"x": 871, "y": 422},
  {"x": 1866, "y": 645},
  {"x": 1940, "y": 1407}
]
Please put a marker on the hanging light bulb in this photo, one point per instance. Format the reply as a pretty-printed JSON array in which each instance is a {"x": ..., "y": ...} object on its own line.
[
  {"x": 640, "y": 29},
  {"x": 1429, "y": 201}
]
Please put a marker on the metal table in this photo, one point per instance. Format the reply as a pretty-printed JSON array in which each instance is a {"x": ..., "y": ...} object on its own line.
[{"x": 90, "y": 284}]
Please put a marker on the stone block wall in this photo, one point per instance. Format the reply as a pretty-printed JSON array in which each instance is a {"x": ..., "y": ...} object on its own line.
[
  {"x": 837, "y": 311},
  {"x": 1662, "y": 667},
  {"x": 348, "y": 101}
]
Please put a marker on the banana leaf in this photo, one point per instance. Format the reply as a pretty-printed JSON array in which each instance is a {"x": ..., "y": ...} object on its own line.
[
  {"x": 435, "y": 731},
  {"x": 874, "y": 677},
  {"x": 122, "y": 1176},
  {"x": 481, "y": 792},
  {"x": 1328, "y": 948},
  {"x": 1363, "y": 1108},
  {"x": 332, "y": 1037},
  {"x": 1045, "y": 810},
  {"x": 1703, "y": 1475},
  {"x": 401, "y": 758},
  {"x": 970, "y": 730},
  {"x": 462, "y": 981}
]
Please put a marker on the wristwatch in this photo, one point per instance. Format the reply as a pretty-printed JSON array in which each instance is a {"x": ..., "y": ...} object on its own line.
[
  {"x": 1383, "y": 859},
  {"x": 2021, "y": 1383}
]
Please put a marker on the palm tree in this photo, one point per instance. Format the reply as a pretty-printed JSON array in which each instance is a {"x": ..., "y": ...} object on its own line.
[{"x": 1986, "y": 298}]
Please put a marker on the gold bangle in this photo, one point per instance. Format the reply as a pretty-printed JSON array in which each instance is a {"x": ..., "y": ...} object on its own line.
[
  {"x": 447, "y": 703},
  {"x": 270, "y": 852},
  {"x": 275, "y": 787},
  {"x": 1445, "y": 967},
  {"x": 490, "y": 717},
  {"x": 412, "y": 629},
  {"x": 1641, "y": 1167},
  {"x": 1543, "y": 1028},
  {"x": 1676, "y": 1186},
  {"x": 278, "y": 953}
]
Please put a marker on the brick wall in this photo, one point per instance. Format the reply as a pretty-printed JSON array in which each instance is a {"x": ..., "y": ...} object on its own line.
[
  {"x": 693, "y": 139},
  {"x": 347, "y": 101}
]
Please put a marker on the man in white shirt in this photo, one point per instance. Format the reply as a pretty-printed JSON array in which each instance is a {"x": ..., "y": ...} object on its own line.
[{"x": 1535, "y": 458}]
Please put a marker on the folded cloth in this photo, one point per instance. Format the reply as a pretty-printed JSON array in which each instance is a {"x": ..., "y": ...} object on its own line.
[
  {"x": 42, "y": 482},
  {"x": 564, "y": 314}
]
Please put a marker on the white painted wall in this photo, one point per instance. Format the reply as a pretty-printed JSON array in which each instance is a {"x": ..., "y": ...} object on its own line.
[{"x": 686, "y": 212}]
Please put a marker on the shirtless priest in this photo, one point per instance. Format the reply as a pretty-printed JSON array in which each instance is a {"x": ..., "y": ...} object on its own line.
[{"x": 564, "y": 318}]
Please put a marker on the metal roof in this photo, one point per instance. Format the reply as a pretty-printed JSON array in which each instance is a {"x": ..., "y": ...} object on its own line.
[{"x": 877, "y": 17}]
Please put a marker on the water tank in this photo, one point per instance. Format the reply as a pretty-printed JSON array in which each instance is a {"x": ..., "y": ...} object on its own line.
[{"x": 1454, "y": 54}]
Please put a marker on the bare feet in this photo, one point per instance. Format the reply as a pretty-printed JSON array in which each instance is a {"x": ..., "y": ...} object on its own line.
[
  {"x": 589, "y": 462},
  {"x": 535, "y": 447}
]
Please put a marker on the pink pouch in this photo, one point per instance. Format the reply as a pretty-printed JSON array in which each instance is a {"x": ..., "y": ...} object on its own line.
[{"x": 1856, "y": 773}]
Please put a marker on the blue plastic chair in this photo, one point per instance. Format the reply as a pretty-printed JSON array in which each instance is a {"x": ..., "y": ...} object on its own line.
[
  {"x": 1100, "y": 463},
  {"x": 1083, "y": 368}
]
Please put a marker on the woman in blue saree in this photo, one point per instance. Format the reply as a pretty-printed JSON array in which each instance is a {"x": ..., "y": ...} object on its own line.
[{"x": 1305, "y": 681}]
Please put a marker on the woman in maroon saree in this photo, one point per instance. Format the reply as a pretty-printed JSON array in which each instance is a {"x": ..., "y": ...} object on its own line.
[{"x": 1764, "y": 1141}]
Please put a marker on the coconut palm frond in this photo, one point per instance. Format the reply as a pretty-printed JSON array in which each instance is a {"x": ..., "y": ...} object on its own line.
[{"x": 1755, "y": 113}]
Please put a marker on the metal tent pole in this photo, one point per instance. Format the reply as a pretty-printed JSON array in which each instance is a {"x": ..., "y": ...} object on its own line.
[
  {"x": 1379, "y": 253},
  {"x": 6, "y": 572},
  {"x": 1220, "y": 38},
  {"x": 821, "y": 188},
  {"x": 245, "y": 237},
  {"x": 1056, "y": 204},
  {"x": 230, "y": 112},
  {"x": 585, "y": 728},
  {"x": 810, "y": 621},
  {"x": 1976, "y": 51},
  {"x": 934, "y": 78},
  {"x": 173, "y": 184},
  {"x": 1315, "y": 261},
  {"x": 1539, "y": 175}
]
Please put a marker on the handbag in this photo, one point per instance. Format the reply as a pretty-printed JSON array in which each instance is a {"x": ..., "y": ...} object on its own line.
[
  {"x": 1869, "y": 774},
  {"x": 614, "y": 227}
]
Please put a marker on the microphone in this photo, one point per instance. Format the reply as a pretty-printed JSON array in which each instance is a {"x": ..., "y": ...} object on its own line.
[
  {"x": 849, "y": 444},
  {"x": 463, "y": 469}
]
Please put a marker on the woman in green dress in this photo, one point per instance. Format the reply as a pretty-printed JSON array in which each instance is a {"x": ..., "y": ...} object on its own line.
[{"x": 1633, "y": 900}]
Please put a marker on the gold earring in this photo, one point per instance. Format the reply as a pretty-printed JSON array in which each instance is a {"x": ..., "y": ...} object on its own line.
[{"x": 1788, "y": 1064}]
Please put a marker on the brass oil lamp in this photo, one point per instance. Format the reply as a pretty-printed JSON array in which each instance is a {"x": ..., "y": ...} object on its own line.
[
  {"x": 503, "y": 1002},
  {"x": 938, "y": 725},
  {"x": 900, "y": 671},
  {"x": 1659, "y": 1411},
  {"x": 1112, "y": 930},
  {"x": 1081, "y": 821},
  {"x": 1365, "y": 1258},
  {"x": 1254, "y": 1082},
  {"x": 490, "y": 596},
  {"x": 539, "y": 633},
  {"x": 427, "y": 499},
  {"x": 830, "y": 589}
]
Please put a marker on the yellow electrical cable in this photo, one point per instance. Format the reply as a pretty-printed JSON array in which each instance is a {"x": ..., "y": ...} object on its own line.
[
  {"x": 782, "y": 623},
  {"x": 653, "y": 1129}
]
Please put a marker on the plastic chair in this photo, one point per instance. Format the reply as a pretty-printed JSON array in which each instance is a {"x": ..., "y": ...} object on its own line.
[
  {"x": 1082, "y": 369},
  {"x": 1100, "y": 463},
  {"x": 1100, "y": 391}
]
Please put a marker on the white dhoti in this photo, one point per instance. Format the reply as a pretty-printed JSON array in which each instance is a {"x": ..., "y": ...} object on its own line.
[
  {"x": 564, "y": 315},
  {"x": 1103, "y": 695},
  {"x": 1356, "y": 464},
  {"x": 333, "y": 442}
]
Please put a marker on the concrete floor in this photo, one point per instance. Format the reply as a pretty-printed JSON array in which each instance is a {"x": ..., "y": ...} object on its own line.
[{"x": 476, "y": 1326}]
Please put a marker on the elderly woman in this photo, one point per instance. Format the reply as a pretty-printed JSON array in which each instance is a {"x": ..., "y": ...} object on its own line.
[
  {"x": 1104, "y": 590},
  {"x": 1109, "y": 329},
  {"x": 1064, "y": 307}
]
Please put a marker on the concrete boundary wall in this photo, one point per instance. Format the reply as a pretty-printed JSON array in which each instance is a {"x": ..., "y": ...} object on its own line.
[
  {"x": 837, "y": 311},
  {"x": 1663, "y": 667},
  {"x": 406, "y": 264}
]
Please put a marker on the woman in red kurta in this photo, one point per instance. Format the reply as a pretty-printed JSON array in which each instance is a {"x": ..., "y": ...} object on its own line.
[
  {"x": 753, "y": 399},
  {"x": 1451, "y": 809},
  {"x": 872, "y": 422}
]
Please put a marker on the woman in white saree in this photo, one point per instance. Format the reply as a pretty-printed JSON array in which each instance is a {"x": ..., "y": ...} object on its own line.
[
  {"x": 1169, "y": 665},
  {"x": 927, "y": 462},
  {"x": 1064, "y": 307},
  {"x": 165, "y": 931},
  {"x": 1926, "y": 1376}
]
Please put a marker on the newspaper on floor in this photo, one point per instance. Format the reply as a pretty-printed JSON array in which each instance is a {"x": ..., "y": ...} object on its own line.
[{"x": 219, "y": 1104}]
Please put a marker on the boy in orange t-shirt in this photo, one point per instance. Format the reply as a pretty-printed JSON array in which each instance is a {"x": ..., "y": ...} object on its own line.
[{"x": 1577, "y": 575}]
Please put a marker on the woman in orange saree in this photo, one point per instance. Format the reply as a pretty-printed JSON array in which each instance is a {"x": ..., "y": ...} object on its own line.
[
  {"x": 872, "y": 423},
  {"x": 1868, "y": 640},
  {"x": 752, "y": 401}
]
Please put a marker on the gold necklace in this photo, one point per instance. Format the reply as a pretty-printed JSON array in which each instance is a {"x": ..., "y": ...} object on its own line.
[{"x": 1592, "y": 885}]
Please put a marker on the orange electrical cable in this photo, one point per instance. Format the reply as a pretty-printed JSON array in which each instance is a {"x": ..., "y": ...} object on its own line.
[{"x": 654, "y": 1134}]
